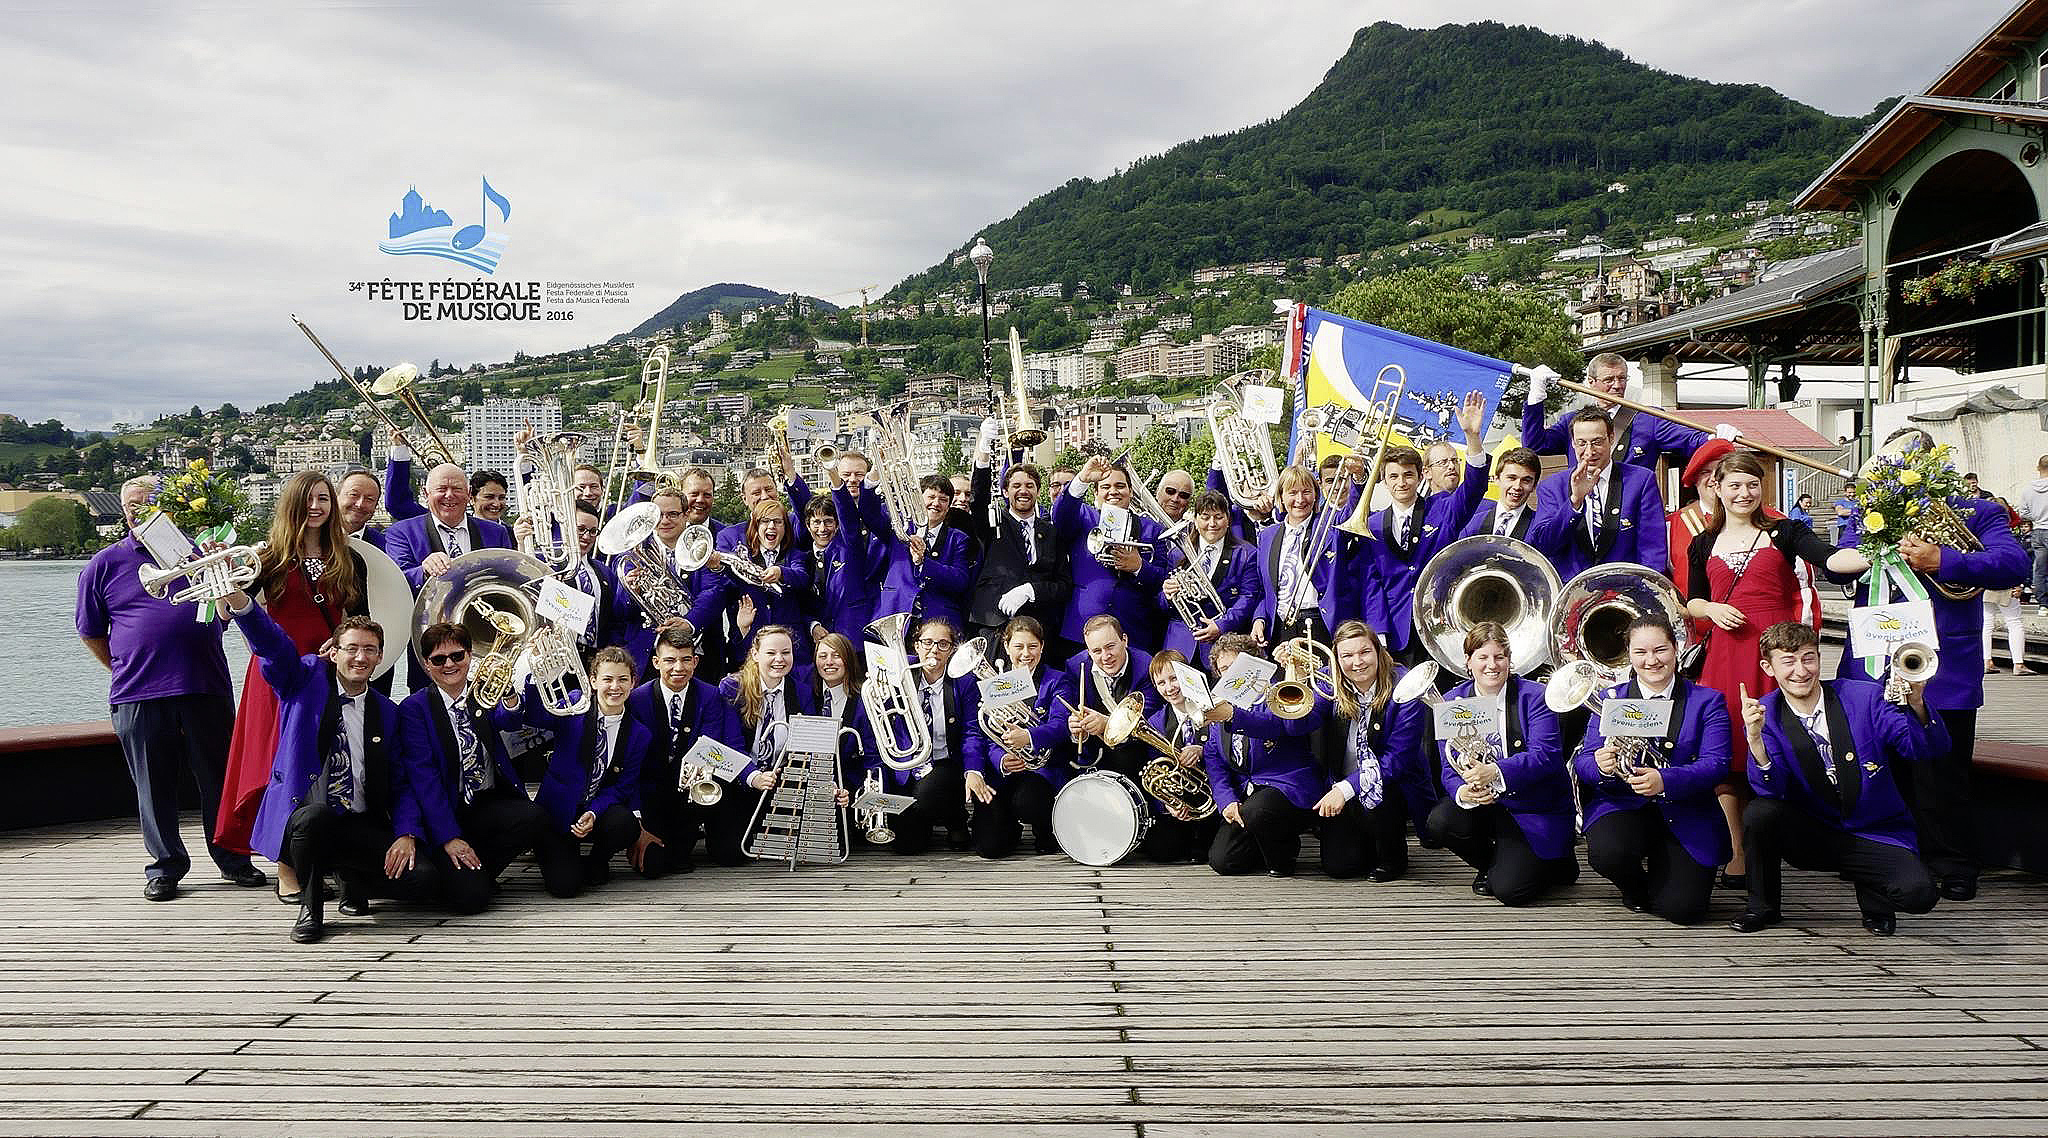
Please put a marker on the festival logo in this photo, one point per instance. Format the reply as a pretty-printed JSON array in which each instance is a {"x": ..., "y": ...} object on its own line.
[{"x": 420, "y": 230}]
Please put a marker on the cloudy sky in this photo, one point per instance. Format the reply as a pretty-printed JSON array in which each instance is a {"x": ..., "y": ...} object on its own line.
[{"x": 180, "y": 178}]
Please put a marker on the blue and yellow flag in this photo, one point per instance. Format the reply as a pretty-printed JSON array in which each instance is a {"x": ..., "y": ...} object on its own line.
[{"x": 1335, "y": 360}]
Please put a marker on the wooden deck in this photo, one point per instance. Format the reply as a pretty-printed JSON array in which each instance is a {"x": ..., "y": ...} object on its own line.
[{"x": 942, "y": 994}]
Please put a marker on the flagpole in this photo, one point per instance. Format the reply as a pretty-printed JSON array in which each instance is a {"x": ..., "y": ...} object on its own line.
[{"x": 1659, "y": 412}]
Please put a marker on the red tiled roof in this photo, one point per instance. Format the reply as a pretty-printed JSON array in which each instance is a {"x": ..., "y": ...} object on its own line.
[{"x": 1778, "y": 428}]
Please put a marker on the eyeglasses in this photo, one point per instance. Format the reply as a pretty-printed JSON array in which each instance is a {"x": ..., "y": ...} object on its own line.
[
  {"x": 934, "y": 643},
  {"x": 360, "y": 649},
  {"x": 443, "y": 659},
  {"x": 671, "y": 515},
  {"x": 1443, "y": 462},
  {"x": 591, "y": 531}
]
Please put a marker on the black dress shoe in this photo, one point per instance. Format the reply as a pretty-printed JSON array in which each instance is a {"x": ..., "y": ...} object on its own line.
[
  {"x": 1481, "y": 886},
  {"x": 1634, "y": 904},
  {"x": 248, "y": 877},
  {"x": 159, "y": 889},
  {"x": 1734, "y": 882},
  {"x": 1756, "y": 922},
  {"x": 596, "y": 872},
  {"x": 1280, "y": 871},
  {"x": 958, "y": 839},
  {"x": 307, "y": 929},
  {"x": 352, "y": 906},
  {"x": 1958, "y": 888},
  {"x": 1881, "y": 924},
  {"x": 1384, "y": 874}
]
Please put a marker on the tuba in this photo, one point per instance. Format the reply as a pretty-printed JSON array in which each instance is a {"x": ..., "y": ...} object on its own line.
[
  {"x": 903, "y": 735},
  {"x": 1486, "y": 578},
  {"x": 996, "y": 720},
  {"x": 548, "y": 497},
  {"x": 490, "y": 593},
  {"x": 1307, "y": 668},
  {"x": 1594, "y": 610},
  {"x": 630, "y": 537},
  {"x": 1244, "y": 449}
]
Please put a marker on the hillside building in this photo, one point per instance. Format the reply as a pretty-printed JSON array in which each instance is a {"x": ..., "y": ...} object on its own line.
[{"x": 493, "y": 424}]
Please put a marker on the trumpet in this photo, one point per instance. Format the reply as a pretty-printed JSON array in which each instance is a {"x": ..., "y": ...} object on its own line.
[
  {"x": 1371, "y": 426},
  {"x": 644, "y": 563},
  {"x": 700, "y": 784},
  {"x": 1244, "y": 448},
  {"x": 903, "y": 734},
  {"x": 1308, "y": 667},
  {"x": 400, "y": 381},
  {"x": 996, "y": 720},
  {"x": 1911, "y": 662},
  {"x": 208, "y": 577}
]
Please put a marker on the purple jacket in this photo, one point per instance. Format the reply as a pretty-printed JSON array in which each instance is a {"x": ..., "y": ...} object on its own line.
[
  {"x": 1338, "y": 592},
  {"x": 1440, "y": 516},
  {"x": 1049, "y": 738},
  {"x": 1958, "y": 683},
  {"x": 1879, "y": 733},
  {"x": 1395, "y": 733},
  {"x": 1694, "y": 758},
  {"x": 1646, "y": 439},
  {"x": 309, "y": 711},
  {"x": 564, "y": 790},
  {"x": 1633, "y": 529},
  {"x": 707, "y": 715},
  {"x": 1237, "y": 582},
  {"x": 934, "y": 588},
  {"x": 432, "y": 763},
  {"x": 1539, "y": 794},
  {"x": 1077, "y": 687},
  {"x": 1132, "y": 598},
  {"x": 796, "y": 700},
  {"x": 410, "y": 542},
  {"x": 1276, "y": 752}
]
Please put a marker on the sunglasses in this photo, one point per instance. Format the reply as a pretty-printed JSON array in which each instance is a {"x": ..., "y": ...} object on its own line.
[
  {"x": 1174, "y": 492},
  {"x": 443, "y": 659}
]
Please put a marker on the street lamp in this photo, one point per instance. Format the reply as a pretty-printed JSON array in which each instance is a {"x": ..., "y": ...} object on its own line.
[{"x": 983, "y": 256}]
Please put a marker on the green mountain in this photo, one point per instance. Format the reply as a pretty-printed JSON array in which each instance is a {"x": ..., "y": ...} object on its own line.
[
  {"x": 723, "y": 297},
  {"x": 1506, "y": 129}
]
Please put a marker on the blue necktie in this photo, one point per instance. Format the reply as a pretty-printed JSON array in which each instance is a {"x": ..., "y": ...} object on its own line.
[
  {"x": 472, "y": 753},
  {"x": 341, "y": 774}
]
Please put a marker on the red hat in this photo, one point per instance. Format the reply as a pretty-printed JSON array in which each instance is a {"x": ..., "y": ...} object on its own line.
[{"x": 1710, "y": 452}]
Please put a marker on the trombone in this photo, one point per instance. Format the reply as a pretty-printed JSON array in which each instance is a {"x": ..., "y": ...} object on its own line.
[
  {"x": 1371, "y": 426},
  {"x": 620, "y": 470},
  {"x": 394, "y": 380}
]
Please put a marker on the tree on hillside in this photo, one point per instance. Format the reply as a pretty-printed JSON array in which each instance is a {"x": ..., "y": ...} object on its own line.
[
  {"x": 952, "y": 457},
  {"x": 51, "y": 523}
]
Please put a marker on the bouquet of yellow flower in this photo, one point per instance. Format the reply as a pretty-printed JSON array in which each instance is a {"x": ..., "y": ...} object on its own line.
[
  {"x": 201, "y": 501},
  {"x": 1898, "y": 494}
]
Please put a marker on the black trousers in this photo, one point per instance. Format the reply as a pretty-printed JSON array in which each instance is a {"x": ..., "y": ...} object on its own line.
[
  {"x": 1358, "y": 841},
  {"x": 157, "y": 737},
  {"x": 1490, "y": 841},
  {"x": 726, "y": 824},
  {"x": 1637, "y": 851},
  {"x": 1269, "y": 839},
  {"x": 941, "y": 801},
  {"x": 677, "y": 823},
  {"x": 560, "y": 853},
  {"x": 1938, "y": 793},
  {"x": 1171, "y": 840},
  {"x": 1023, "y": 799},
  {"x": 319, "y": 839},
  {"x": 1888, "y": 878},
  {"x": 500, "y": 825}
]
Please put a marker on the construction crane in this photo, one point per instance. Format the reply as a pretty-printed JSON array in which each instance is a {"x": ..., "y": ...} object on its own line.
[{"x": 863, "y": 290}]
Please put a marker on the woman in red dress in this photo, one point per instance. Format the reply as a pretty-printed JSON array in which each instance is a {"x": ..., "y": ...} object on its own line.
[
  {"x": 1743, "y": 578},
  {"x": 308, "y": 589}
]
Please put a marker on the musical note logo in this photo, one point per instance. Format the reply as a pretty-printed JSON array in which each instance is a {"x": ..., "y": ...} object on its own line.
[{"x": 420, "y": 230}]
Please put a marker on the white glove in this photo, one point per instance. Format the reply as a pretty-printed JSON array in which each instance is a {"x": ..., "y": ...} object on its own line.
[
  {"x": 1727, "y": 431},
  {"x": 1016, "y": 598},
  {"x": 399, "y": 454},
  {"x": 1539, "y": 383},
  {"x": 988, "y": 433}
]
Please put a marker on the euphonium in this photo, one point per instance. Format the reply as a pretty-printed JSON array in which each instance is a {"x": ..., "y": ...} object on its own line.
[
  {"x": 903, "y": 734},
  {"x": 1194, "y": 599},
  {"x": 1244, "y": 449},
  {"x": 643, "y": 563},
  {"x": 1307, "y": 667},
  {"x": 208, "y": 577},
  {"x": 548, "y": 497},
  {"x": 894, "y": 477},
  {"x": 996, "y": 720},
  {"x": 1486, "y": 578}
]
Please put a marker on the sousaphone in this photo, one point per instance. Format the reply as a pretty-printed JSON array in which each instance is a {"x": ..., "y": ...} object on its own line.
[{"x": 1486, "y": 578}]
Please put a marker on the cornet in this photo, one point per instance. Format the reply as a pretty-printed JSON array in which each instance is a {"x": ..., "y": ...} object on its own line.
[
  {"x": 1911, "y": 662},
  {"x": 208, "y": 577},
  {"x": 872, "y": 807},
  {"x": 748, "y": 571},
  {"x": 1308, "y": 668},
  {"x": 996, "y": 720},
  {"x": 700, "y": 784}
]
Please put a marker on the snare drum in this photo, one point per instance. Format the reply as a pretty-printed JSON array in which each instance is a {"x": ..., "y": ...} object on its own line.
[{"x": 1100, "y": 818}]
